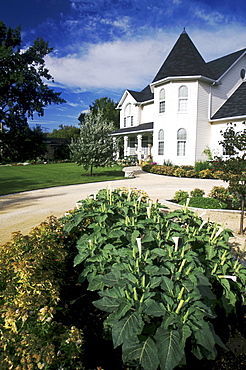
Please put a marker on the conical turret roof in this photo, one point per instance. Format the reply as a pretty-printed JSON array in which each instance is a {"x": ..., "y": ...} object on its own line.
[{"x": 183, "y": 60}]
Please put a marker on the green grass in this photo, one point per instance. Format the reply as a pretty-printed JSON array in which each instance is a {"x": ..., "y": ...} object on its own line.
[{"x": 15, "y": 179}]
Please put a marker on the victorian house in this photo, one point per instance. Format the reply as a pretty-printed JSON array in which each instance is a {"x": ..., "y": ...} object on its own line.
[{"x": 182, "y": 111}]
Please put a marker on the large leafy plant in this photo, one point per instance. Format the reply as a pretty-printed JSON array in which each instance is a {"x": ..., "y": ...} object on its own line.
[{"x": 160, "y": 276}]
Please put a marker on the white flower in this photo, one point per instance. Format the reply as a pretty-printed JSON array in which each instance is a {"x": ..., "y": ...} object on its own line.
[
  {"x": 231, "y": 277},
  {"x": 176, "y": 242},
  {"x": 139, "y": 246}
]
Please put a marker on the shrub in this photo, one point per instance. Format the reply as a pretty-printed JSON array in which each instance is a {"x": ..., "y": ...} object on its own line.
[
  {"x": 167, "y": 162},
  {"x": 208, "y": 203},
  {"x": 180, "y": 172},
  {"x": 202, "y": 165},
  {"x": 218, "y": 174},
  {"x": 197, "y": 192},
  {"x": 191, "y": 173},
  {"x": 181, "y": 195},
  {"x": 160, "y": 278},
  {"x": 31, "y": 273},
  {"x": 219, "y": 192},
  {"x": 205, "y": 174}
]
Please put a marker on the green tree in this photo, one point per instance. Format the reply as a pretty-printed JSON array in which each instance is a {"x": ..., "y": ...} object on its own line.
[
  {"x": 65, "y": 132},
  {"x": 108, "y": 109},
  {"x": 23, "y": 90},
  {"x": 94, "y": 147},
  {"x": 234, "y": 168}
]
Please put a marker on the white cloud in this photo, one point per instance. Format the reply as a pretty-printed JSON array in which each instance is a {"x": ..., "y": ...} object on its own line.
[{"x": 133, "y": 64}]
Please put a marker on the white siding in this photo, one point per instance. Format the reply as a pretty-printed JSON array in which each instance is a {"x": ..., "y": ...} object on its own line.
[
  {"x": 172, "y": 120},
  {"x": 229, "y": 83},
  {"x": 147, "y": 113},
  {"x": 203, "y": 130}
]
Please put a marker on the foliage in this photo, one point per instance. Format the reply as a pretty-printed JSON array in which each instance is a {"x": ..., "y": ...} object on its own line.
[
  {"x": 15, "y": 179},
  {"x": 180, "y": 172},
  {"x": 181, "y": 195},
  {"x": 204, "y": 202},
  {"x": 131, "y": 160},
  {"x": 23, "y": 90},
  {"x": 234, "y": 168},
  {"x": 108, "y": 109},
  {"x": 21, "y": 143},
  {"x": 167, "y": 162},
  {"x": 191, "y": 173},
  {"x": 219, "y": 192},
  {"x": 205, "y": 174},
  {"x": 163, "y": 170},
  {"x": 202, "y": 165},
  {"x": 95, "y": 147},
  {"x": 32, "y": 271},
  {"x": 65, "y": 132},
  {"x": 197, "y": 192},
  {"x": 160, "y": 277}
]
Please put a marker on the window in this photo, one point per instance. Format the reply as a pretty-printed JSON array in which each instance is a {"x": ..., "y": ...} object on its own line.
[
  {"x": 181, "y": 142},
  {"x": 128, "y": 117},
  {"x": 183, "y": 99},
  {"x": 161, "y": 142},
  {"x": 162, "y": 101}
]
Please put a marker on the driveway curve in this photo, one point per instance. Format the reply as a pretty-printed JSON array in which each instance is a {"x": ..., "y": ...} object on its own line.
[{"x": 23, "y": 211}]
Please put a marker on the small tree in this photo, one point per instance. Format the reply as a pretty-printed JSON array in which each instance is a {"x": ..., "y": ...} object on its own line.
[
  {"x": 234, "y": 168},
  {"x": 94, "y": 147}
]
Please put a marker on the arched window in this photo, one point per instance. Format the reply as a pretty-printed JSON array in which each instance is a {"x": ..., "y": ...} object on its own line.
[
  {"x": 183, "y": 99},
  {"x": 128, "y": 117},
  {"x": 162, "y": 101},
  {"x": 161, "y": 142},
  {"x": 181, "y": 142}
]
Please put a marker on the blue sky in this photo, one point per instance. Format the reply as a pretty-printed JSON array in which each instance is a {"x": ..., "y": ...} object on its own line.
[{"x": 103, "y": 47}]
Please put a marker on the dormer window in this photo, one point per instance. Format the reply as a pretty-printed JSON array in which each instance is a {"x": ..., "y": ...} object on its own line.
[
  {"x": 162, "y": 101},
  {"x": 183, "y": 99},
  {"x": 128, "y": 117}
]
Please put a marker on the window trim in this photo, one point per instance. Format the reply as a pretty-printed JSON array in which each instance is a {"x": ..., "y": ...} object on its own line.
[
  {"x": 183, "y": 99},
  {"x": 162, "y": 101},
  {"x": 181, "y": 142},
  {"x": 161, "y": 142}
]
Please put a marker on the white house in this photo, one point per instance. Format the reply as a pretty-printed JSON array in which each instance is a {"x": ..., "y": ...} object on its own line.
[{"x": 182, "y": 111}]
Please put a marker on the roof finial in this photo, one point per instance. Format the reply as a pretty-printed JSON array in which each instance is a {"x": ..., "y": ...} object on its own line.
[{"x": 184, "y": 30}]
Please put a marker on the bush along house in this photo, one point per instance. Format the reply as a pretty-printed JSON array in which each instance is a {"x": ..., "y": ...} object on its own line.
[{"x": 183, "y": 110}]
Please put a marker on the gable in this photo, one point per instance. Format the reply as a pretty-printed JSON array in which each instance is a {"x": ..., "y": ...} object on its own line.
[
  {"x": 221, "y": 65},
  {"x": 235, "y": 106}
]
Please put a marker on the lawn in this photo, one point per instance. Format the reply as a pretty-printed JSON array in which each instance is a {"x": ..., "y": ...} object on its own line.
[{"x": 15, "y": 179}]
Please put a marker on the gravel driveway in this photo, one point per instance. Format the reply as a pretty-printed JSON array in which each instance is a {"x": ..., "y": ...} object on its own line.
[{"x": 22, "y": 211}]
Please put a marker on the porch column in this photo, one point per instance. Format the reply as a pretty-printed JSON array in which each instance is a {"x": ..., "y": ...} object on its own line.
[
  {"x": 125, "y": 146},
  {"x": 139, "y": 137}
]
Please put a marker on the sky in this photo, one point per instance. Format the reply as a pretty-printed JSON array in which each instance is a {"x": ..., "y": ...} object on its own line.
[{"x": 103, "y": 47}]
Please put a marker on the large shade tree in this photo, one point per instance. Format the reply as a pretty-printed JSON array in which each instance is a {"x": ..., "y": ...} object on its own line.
[
  {"x": 23, "y": 85},
  {"x": 234, "y": 167},
  {"x": 95, "y": 146},
  {"x": 107, "y": 107}
]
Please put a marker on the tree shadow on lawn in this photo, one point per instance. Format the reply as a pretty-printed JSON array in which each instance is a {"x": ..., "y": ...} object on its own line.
[{"x": 104, "y": 173}]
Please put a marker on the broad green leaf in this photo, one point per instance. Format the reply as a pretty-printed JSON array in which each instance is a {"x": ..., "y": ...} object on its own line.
[
  {"x": 170, "y": 347},
  {"x": 129, "y": 326},
  {"x": 114, "y": 292},
  {"x": 154, "y": 308},
  {"x": 96, "y": 283},
  {"x": 107, "y": 304},
  {"x": 111, "y": 278},
  {"x": 167, "y": 284},
  {"x": 144, "y": 352},
  {"x": 115, "y": 233},
  {"x": 155, "y": 281},
  {"x": 204, "y": 337},
  {"x": 80, "y": 258}
]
